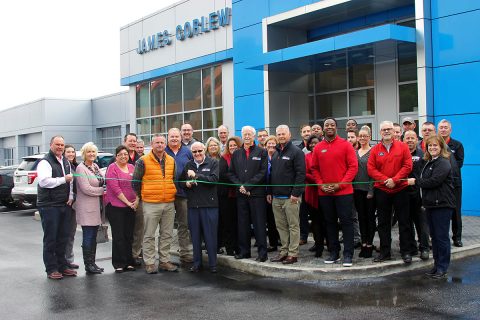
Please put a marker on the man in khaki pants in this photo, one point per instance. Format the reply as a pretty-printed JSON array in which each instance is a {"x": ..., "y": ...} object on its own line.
[
  {"x": 287, "y": 180},
  {"x": 156, "y": 171}
]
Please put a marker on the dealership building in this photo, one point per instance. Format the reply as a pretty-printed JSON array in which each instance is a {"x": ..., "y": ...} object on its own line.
[{"x": 270, "y": 62}]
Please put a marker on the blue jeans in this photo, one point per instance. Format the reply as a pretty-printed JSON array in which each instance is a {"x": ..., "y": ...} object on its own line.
[
  {"x": 89, "y": 236},
  {"x": 439, "y": 221},
  {"x": 56, "y": 226}
]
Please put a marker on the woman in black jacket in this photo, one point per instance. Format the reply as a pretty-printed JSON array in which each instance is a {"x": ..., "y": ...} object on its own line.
[{"x": 436, "y": 185}]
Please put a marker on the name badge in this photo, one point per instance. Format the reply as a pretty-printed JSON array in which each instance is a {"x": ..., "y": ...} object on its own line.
[
  {"x": 206, "y": 169},
  {"x": 324, "y": 150},
  {"x": 415, "y": 158},
  {"x": 285, "y": 158},
  {"x": 453, "y": 151},
  {"x": 256, "y": 158},
  {"x": 381, "y": 154}
]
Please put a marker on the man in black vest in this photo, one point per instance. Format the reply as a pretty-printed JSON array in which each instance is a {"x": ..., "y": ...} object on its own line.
[{"x": 54, "y": 191}]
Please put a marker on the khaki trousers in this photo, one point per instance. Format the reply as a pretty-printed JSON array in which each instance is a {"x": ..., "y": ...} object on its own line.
[
  {"x": 287, "y": 220},
  {"x": 138, "y": 232},
  {"x": 184, "y": 241},
  {"x": 159, "y": 215}
]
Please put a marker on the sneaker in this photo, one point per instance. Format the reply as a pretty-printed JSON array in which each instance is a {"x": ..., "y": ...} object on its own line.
[
  {"x": 150, "y": 269},
  {"x": 167, "y": 266},
  {"x": 334, "y": 257},
  {"x": 347, "y": 261}
]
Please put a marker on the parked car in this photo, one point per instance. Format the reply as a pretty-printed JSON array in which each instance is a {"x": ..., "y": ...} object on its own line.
[
  {"x": 6, "y": 185},
  {"x": 24, "y": 192}
]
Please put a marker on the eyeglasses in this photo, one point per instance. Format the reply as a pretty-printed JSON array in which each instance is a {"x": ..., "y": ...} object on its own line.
[
  {"x": 387, "y": 129},
  {"x": 197, "y": 151}
]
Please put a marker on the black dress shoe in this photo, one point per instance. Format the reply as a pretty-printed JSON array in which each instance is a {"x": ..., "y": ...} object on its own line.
[
  {"x": 213, "y": 269},
  {"x": 290, "y": 260},
  {"x": 458, "y": 243},
  {"x": 439, "y": 275},
  {"x": 230, "y": 253},
  {"x": 278, "y": 258},
  {"x": 407, "y": 258},
  {"x": 220, "y": 251},
  {"x": 318, "y": 253},
  {"x": 261, "y": 259},
  {"x": 431, "y": 272},
  {"x": 313, "y": 248},
  {"x": 195, "y": 269},
  {"x": 424, "y": 255},
  {"x": 271, "y": 249},
  {"x": 242, "y": 256},
  {"x": 382, "y": 258},
  {"x": 357, "y": 245}
]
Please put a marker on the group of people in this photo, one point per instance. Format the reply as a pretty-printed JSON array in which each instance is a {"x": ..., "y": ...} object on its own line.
[{"x": 230, "y": 189}]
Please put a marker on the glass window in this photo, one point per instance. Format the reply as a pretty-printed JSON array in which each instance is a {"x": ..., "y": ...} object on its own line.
[
  {"x": 212, "y": 87},
  {"x": 208, "y": 134},
  {"x": 157, "y": 97},
  {"x": 174, "y": 121},
  {"x": 332, "y": 73},
  {"x": 143, "y": 126},
  {"x": 362, "y": 102},
  {"x": 212, "y": 118},
  {"x": 408, "y": 97},
  {"x": 143, "y": 105},
  {"x": 198, "y": 135},
  {"x": 217, "y": 84},
  {"x": 192, "y": 91},
  {"x": 158, "y": 125},
  {"x": 174, "y": 94},
  {"x": 8, "y": 156},
  {"x": 195, "y": 119},
  {"x": 407, "y": 62},
  {"x": 332, "y": 105},
  {"x": 360, "y": 70},
  {"x": 311, "y": 108}
]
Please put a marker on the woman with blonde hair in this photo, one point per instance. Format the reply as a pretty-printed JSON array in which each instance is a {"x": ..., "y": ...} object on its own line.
[
  {"x": 89, "y": 204},
  {"x": 213, "y": 148},
  {"x": 438, "y": 199}
]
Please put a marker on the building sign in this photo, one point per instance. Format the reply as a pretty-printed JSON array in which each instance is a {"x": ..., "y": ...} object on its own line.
[{"x": 189, "y": 29}]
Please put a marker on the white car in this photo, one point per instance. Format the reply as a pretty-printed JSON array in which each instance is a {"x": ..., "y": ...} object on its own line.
[{"x": 24, "y": 192}]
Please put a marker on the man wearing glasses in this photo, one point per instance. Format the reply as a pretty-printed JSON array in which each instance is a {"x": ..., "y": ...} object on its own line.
[
  {"x": 389, "y": 164},
  {"x": 428, "y": 129}
]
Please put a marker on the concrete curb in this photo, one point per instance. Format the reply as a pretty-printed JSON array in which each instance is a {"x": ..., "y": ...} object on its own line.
[{"x": 320, "y": 272}]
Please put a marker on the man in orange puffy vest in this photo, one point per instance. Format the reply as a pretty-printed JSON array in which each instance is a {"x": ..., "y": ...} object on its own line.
[{"x": 153, "y": 182}]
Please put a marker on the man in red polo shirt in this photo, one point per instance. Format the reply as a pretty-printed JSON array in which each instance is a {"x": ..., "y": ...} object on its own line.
[
  {"x": 389, "y": 165},
  {"x": 334, "y": 167}
]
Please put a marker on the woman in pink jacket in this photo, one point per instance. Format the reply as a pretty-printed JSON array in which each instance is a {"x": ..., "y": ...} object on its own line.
[
  {"x": 121, "y": 204},
  {"x": 89, "y": 202}
]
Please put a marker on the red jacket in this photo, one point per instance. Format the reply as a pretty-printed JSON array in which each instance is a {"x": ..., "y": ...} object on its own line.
[
  {"x": 396, "y": 164},
  {"x": 311, "y": 192},
  {"x": 335, "y": 162}
]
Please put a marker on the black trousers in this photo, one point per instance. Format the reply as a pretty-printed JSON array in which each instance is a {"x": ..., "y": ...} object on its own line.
[
  {"x": 273, "y": 236},
  {"x": 319, "y": 229},
  {"x": 366, "y": 215},
  {"x": 122, "y": 221},
  {"x": 457, "y": 216},
  {"x": 228, "y": 213},
  {"x": 252, "y": 209},
  {"x": 335, "y": 208},
  {"x": 304, "y": 225},
  {"x": 386, "y": 202},
  {"x": 418, "y": 218}
]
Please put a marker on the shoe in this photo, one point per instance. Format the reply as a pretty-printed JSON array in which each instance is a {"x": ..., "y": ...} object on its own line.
[
  {"x": 230, "y": 253},
  {"x": 213, "y": 270},
  {"x": 150, "y": 269},
  {"x": 290, "y": 260},
  {"x": 138, "y": 261},
  {"x": 242, "y": 256},
  {"x": 186, "y": 259},
  {"x": 363, "y": 251},
  {"x": 72, "y": 266},
  {"x": 368, "y": 252},
  {"x": 357, "y": 245},
  {"x": 220, "y": 251},
  {"x": 382, "y": 257},
  {"x": 261, "y": 259},
  {"x": 195, "y": 269},
  {"x": 119, "y": 270},
  {"x": 347, "y": 261},
  {"x": 302, "y": 242},
  {"x": 407, "y": 258},
  {"x": 424, "y": 255},
  {"x": 431, "y": 272},
  {"x": 129, "y": 268},
  {"x": 414, "y": 253},
  {"x": 167, "y": 266},
  {"x": 313, "y": 248},
  {"x": 69, "y": 273},
  {"x": 458, "y": 243},
  {"x": 318, "y": 253},
  {"x": 278, "y": 258},
  {"x": 439, "y": 275},
  {"x": 334, "y": 257},
  {"x": 271, "y": 249},
  {"x": 55, "y": 275}
]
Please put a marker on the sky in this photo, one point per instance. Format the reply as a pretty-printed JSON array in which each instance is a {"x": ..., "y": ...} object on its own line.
[{"x": 64, "y": 49}]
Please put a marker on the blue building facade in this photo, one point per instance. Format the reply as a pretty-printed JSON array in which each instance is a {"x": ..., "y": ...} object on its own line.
[{"x": 300, "y": 61}]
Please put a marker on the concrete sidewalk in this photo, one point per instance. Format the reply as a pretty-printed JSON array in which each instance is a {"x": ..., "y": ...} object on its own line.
[{"x": 311, "y": 268}]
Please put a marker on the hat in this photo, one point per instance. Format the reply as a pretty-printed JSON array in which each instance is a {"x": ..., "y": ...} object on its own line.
[{"x": 408, "y": 119}]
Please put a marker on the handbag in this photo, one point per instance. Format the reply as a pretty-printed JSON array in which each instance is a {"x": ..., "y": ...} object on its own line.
[{"x": 102, "y": 234}]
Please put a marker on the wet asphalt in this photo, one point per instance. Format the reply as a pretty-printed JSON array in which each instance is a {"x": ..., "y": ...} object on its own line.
[{"x": 26, "y": 293}]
